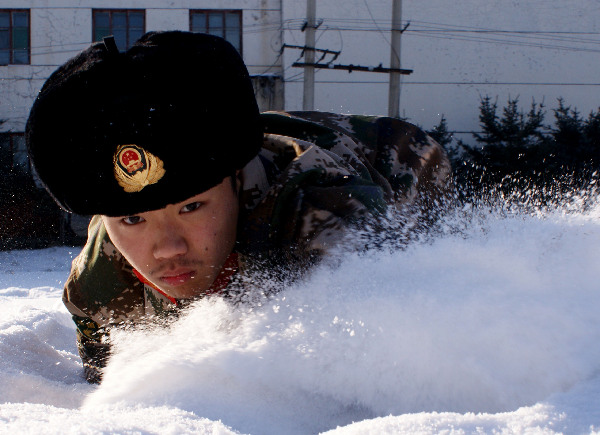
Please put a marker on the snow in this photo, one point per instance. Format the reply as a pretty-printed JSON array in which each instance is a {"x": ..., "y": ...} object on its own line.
[{"x": 491, "y": 326}]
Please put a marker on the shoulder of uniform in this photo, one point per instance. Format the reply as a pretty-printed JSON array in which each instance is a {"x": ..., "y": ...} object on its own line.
[{"x": 101, "y": 284}]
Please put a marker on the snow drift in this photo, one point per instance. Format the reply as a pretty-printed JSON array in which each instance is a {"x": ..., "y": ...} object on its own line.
[{"x": 491, "y": 325}]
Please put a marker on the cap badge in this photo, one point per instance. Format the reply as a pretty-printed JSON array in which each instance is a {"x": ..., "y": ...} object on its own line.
[{"x": 136, "y": 168}]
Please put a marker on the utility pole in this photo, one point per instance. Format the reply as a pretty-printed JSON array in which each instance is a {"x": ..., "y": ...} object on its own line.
[
  {"x": 394, "y": 92},
  {"x": 308, "y": 101}
]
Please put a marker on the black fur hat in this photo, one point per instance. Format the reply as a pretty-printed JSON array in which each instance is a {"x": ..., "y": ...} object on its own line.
[{"x": 122, "y": 133}]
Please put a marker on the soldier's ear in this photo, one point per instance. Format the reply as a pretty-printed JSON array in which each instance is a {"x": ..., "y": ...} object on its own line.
[{"x": 238, "y": 181}]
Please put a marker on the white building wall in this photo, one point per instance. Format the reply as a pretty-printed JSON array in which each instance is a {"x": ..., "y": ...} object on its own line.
[
  {"x": 452, "y": 70},
  {"x": 62, "y": 28},
  {"x": 167, "y": 19},
  {"x": 444, "y": 64}
]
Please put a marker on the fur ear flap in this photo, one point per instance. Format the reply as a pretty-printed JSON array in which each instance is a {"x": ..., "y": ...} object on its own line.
[{"x": 110, "y": 46}]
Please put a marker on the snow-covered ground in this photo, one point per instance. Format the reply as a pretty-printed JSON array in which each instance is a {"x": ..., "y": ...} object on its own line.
[{"x": 492, "y": 326}]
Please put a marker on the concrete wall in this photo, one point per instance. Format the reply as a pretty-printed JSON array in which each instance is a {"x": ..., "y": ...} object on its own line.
[{"x": 452, "y": 69}]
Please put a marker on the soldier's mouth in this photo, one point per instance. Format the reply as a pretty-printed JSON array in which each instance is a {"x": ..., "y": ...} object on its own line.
[{"x": 177, "y": 278}]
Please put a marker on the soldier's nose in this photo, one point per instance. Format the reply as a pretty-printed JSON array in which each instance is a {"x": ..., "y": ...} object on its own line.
[{"x": 170, "y": 245}]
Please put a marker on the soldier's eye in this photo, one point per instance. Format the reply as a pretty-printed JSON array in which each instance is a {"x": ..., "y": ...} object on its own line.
[
  {"x": 132, "y": 220},
  {"x": 192, "y": 206}
]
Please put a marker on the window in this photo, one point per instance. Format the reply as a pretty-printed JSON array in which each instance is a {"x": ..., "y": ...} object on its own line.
[
  {"x": 14, "y": 36},
  {"x": 13, "y": 153},
  {"x": 224, "y": 23},
  {"x": 126, "y": 25}
]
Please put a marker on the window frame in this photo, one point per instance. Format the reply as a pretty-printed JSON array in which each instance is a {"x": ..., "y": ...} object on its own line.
[
  {"x": 10, "y": 35},
  {"x": 223, "y": 12},
  {"x": 110, "y": 12}
]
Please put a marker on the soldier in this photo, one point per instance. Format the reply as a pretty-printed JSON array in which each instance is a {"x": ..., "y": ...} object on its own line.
[{"x": 191, "y": 188}]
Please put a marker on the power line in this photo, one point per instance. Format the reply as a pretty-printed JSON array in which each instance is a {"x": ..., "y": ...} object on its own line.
[
  {"x": 526, "y": 42},
  {"x": 518, "y": 37},
  {"x": 465, "y": 33},
  {"x": 454, "y": 26},
  {"x": 415, "y": 29},
  {"x": 450, "y": 27},
  {"x": 515, "y": 43}
]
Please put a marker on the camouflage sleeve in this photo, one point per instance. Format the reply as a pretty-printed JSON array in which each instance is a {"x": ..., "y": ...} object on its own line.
[
  {"x": 93, "y": 347},
  {"x": 100, "y": 293},
  {"x": 314, "y": 196},
  {"x": 399, "y": 156},
  {"x": 337, "y": 169}
]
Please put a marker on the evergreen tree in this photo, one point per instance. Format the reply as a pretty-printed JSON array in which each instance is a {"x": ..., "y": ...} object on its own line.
[
  {"x": 591, "y": 133},
  {"x": 567, "y": 135},
  {"x": 514, "y": 129},
  {"x": 441, "y": 134},
  {"x": 576, "y": 141},
  {"x": 510, "y": 144}
]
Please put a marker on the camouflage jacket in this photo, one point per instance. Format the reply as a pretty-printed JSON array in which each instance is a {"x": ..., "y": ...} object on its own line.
[{"x": 316, "y": 174}]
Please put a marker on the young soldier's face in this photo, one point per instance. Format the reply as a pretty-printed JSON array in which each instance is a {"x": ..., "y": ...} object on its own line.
[{"x": 182, "y": 247}]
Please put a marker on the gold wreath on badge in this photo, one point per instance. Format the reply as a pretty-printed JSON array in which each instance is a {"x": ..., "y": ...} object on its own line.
[{"x": 136, "y": 168}]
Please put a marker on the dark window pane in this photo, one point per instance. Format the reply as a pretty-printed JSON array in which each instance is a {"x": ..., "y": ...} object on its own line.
[
  {"x": 119, "y": 19},
  {"x": 4, "y": 39},
  {"x": 20, "y": 158},
  {"x": 5, "y": 152},
  {"x": 4, "y": 20},
  {"x": 136, "y": 19},
  {"x": 101, "y": 19},
  {"x": 199, "y": 22},
  {"x": 232, "y": 21},
  {"x": 20, "y": 19},
  {"x": 127, "y": 26},
  {"x": 101, "y": 32},
  {"x": 134, "y": 35},
  {"x": 21, "y": 56},
  {"x": 4, "y": 57},
  {"x": 19, "y": 143},
  {"x": 120, "y": 38},
  {"x": 216, "y": 32},
  {"x": 20, "y": 39},
  {"x": 232, "y": 30},
  {"x": 5, "y": 143},
  {"x": 215, "y": 24},
  {"x": 234, "y": 39}
]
